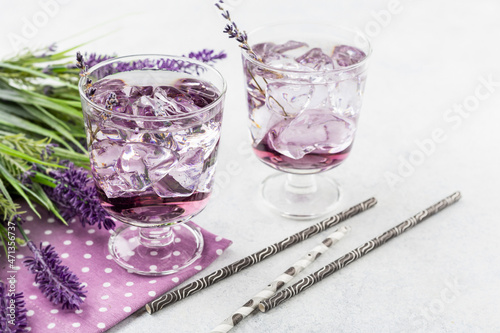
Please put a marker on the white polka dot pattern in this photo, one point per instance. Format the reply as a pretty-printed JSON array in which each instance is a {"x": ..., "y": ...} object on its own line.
[{"x": 112, "y": 293}]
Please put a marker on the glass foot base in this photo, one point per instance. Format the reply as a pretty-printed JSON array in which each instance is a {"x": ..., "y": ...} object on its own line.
[
  {"x": 300, "y": 196},
  {"x": 155, "y": 251}
]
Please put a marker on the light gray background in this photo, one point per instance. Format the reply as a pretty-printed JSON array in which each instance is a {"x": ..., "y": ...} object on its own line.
[{"x": 431, "y": 59}]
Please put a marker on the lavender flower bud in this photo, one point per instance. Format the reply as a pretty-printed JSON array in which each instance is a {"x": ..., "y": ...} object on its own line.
[
  {"x": 27, "y": 175},
  {"x": 48, "y": 90},
  {"x": 91, "y": 91},
  {"x": 48, "y": 151},
  {"x": 111, "y": 101},
  {"x": 76, "y": 195},
  {"x": 55, "y": 280},
  {"x": 79, "y": 57}
]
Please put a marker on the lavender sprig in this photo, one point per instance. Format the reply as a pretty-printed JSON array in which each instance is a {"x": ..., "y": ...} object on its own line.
[
  {"x": 81, "y": 64},
  {"x": 47, "y": 151},
  {"x": 163, "y": 64},
  {"x": 12, "y": 311},
  {"x": 93, "y": 59},
  {"x": 76, "y": 195},
  {"x": 51, "y": 49},
  {"x": 207, "y": 56},
  {"x": 55, "y": 280},
  {"x": 232, "y": 31},
  {"x": 111, "y": 101}
]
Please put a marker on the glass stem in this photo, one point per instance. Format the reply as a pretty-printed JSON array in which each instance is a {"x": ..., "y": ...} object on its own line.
[
  {"x": 156, "y": 237},
  {"x": 300, "y": 184}
]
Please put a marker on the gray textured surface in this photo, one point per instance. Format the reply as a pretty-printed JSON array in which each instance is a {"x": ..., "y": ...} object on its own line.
[{"x": 442, "y": 276}]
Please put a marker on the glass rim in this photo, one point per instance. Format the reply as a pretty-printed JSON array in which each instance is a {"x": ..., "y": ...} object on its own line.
[
  {"x": 202, "y": 110},
  {"x": 358, "y": 32}
]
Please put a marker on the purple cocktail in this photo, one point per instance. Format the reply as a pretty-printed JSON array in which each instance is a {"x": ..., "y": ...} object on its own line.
[
  {"x": 304, "y": 94},
  {"x": 153, "y": 127},
  {"x": 145, "y": 173}
]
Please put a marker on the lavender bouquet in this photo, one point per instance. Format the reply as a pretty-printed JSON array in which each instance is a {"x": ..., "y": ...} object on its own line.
[
  {"x": 42, "y": 149},
  {"x": 44, "y": 160}
]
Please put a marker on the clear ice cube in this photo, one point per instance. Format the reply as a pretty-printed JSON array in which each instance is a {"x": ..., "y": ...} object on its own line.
[
  {"x": 319, "y": 96},
  {"x": 205, "y": 136},
  {"x": 311, "y": 130},
  {"x": 140, "y": 164},
  {"x": 316, "y": 59},
  {"x": 188, "y": 171},
  {"x": 105, "y": 87},
  {"x": 137, "y": 91},
  {"x": 103, "y": 157},
  {"x": 109, "y": 133},
  {"x": 184, "y": 178},
  {"x": 279, "y": 61},
  {"x": 170, "y": 101},
  {"x": 262, "y": 121},
  {"x": 288, "y": 46},
  {"x": 345, "y": 96},
  {"x": 144, "y": 106},
  {"x": 262, "y": 49},
  {"x": 104, "y": 154},
  {"x": 288, "y": 99},
  {"x": 200, "y": 93},
  {"x": 206, "y": 179},
  {"x": 345, "y": 55}
]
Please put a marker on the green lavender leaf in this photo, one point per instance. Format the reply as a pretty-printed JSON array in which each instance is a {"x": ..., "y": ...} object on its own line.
[
  {"x": 4, "y": 149},
  {"x": 37, "y": 73},
  {"x": 20, "y": 188},
  {"x": 49, "y": 204},
  {"x": 78, "y": 159},
  {"x": 61, "y": 128},
  {"x": 20, "y": 124},
  {"x": 25, "y": 97},
  {"x": 8, "y": 207}
]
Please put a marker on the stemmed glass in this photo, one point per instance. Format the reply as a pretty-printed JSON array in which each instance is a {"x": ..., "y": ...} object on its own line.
[
  {"x": 304, "y": 98},
  {"x": 153, "y": 126}
]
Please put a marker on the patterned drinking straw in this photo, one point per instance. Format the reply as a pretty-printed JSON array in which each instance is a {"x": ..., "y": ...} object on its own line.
[
  {"x": 357, "y": 253},
  {"x": 237, "y": 266},
  {"x": 280, "y": 281}
]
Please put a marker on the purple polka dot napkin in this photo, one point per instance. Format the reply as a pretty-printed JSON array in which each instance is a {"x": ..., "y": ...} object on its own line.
[{"x": 113, "y": 294}]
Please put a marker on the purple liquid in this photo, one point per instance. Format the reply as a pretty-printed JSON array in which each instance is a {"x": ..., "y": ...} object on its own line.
[
  {"x": 312, "y": 162},
  {"x": 150, "y": 208}
]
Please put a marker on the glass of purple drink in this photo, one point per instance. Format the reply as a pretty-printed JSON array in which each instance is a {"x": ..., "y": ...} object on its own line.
[
  {"x": 153, "y": 126},
  {"x": 305, "y": 84}
]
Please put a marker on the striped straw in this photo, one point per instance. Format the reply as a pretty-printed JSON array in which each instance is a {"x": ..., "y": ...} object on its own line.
[
  {"x": 251, "y": 305},
  {"x": 357, "y": 253}
]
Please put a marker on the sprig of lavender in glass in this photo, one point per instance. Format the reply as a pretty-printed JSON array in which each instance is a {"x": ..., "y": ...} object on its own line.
[
  {"x": 12, "y": 311},
  {"x": 111, "y": 101},
  {"x": 54, "y": 280},
  {"x": 231, "y": 29}
]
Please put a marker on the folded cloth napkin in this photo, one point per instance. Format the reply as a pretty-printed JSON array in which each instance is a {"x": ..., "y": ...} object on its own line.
[{"x": 112, "y": 292}]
